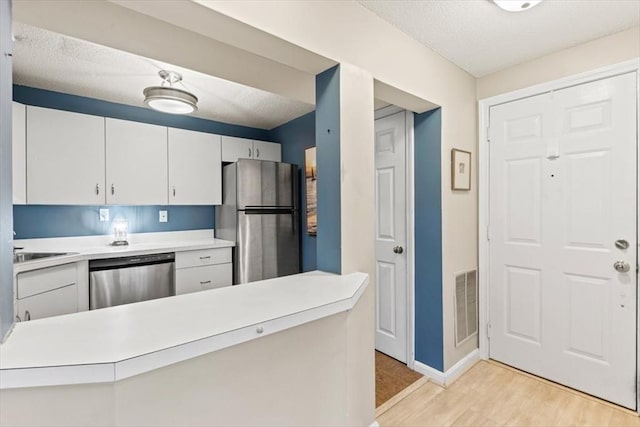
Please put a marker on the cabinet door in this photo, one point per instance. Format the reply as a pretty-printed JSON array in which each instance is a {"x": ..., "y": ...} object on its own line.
[
  {"x": 263, "y": 150},
  {"x": 136, "y": 163},
  {"x": 53, "y": 303},
  {"x": 236, "y": 148},
  {"x": 65, "y": 157},
  {"x": 19, "y": 152},
  {"x": 195, "y": 168}
]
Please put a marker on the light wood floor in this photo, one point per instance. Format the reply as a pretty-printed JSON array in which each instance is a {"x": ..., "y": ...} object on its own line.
[{"x": 491, "y": 394}]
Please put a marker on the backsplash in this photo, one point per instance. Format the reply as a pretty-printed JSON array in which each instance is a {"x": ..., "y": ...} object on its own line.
[{"x": 40, "y": 221}]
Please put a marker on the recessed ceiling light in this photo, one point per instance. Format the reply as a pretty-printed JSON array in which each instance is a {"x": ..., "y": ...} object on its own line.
[
  {"x": 169, "y": 99},
  {"x": 516, "y": 5}
]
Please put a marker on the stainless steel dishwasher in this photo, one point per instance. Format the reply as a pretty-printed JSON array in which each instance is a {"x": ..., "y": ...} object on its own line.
[{"x": 117, "y": 281}]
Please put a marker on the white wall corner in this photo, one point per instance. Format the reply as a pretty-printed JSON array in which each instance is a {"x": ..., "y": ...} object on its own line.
[{"x": 446, "y": 378}]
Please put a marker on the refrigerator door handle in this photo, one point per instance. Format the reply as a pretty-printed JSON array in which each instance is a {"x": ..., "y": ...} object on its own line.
[{"x": 268, "y": 211}]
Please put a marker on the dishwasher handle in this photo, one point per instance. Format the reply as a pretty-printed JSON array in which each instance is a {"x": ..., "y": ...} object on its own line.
[{"x": 131, "y": 261}]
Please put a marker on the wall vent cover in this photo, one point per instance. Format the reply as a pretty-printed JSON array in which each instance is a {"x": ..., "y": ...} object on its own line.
[{"x": 466, "y": 306}]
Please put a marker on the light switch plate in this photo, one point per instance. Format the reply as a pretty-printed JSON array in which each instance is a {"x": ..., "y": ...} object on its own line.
[
  {"x": 104, "y": 215},
  {"x": 163, "y": 216}
]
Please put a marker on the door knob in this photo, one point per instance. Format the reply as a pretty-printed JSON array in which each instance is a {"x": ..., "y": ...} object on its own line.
[
  {"x": 398, "y": 249},
  {"x": 622, "y": 244},
  {"x": 621, "y": 266}
]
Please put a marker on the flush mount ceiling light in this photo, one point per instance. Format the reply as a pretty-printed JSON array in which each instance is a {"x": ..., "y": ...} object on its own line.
[
  {"x": 516, "y": 5},
  {"x": 169, "y": 99}
]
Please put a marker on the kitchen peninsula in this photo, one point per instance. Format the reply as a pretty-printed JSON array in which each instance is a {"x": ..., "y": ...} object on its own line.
[{"x": 197, "y": 359}]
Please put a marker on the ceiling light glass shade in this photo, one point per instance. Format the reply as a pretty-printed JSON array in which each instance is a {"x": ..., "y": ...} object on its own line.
[
  {"x": 170, "y": 100},
  {"x": 516, "y": 5}
]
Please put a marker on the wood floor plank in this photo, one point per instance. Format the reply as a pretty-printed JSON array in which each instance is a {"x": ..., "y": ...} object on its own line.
[{"x": 492, "y": 394}]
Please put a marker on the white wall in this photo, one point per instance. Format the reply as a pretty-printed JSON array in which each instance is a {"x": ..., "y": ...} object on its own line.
[
  {"x": 346, "y": 32},
  {"x": 6, "y": 200},
  {"x": 358, "y": 231},
  {"x": 604, "y": 51}
]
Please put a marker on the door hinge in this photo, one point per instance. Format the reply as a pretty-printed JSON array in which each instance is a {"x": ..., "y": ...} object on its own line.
[
  {"x": 488, "y": 134},
  {"x": 488, "y": 233},
  {"x": 488, "y": 330}
]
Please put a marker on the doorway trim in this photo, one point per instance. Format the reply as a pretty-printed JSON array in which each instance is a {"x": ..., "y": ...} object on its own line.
[
  {"x": 410, "y": 194},
  {"x": 484, "y": 105}
]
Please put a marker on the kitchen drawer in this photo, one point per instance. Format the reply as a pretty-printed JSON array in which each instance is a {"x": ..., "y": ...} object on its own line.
[
  {"x": 188, "y": 259},
  {"x": 46, "y": 279},
  {"x": 196, "y": 279}
]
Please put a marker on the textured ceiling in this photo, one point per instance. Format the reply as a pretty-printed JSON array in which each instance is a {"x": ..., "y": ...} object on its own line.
[
  {"x": 481, "y": 38},
  {"x": 48, "y": 60}
]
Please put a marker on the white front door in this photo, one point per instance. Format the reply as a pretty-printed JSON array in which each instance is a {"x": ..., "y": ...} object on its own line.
[
  {"x": 391, "y": 231},
  {"x": 562, "y": 214}
]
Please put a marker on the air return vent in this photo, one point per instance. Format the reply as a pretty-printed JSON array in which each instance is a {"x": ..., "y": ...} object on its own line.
[{"x": 466, "y": 304}]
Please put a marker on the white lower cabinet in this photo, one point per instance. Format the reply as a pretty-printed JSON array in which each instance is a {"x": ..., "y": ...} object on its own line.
[
  {"x": 47, "y": 292},
  {"x": 196, "y": 279},
  {"x": 203, "y": 269},
  {"x": 52, "y": 303}
]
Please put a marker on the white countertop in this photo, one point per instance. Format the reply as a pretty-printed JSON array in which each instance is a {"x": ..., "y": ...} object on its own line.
[
  {"x": 94, "y": 247},
  {"x": 118, "y": 342}
]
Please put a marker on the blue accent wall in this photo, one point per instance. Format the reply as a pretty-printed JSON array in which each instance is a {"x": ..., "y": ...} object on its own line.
[
  {"x": 295, "y": 136},
  {"x": 36, "y": 221},
  {"x": 80, "y": 104},
  {"x": 329, "y": 257},
  {"x": 428, "y": 239}
]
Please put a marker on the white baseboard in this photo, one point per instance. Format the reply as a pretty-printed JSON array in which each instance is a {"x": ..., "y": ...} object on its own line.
[{"x": 445, "y": 378}]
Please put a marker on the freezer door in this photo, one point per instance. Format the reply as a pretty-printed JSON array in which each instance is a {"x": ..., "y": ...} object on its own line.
[
  {"x": 267, "y": 184},
  {"x": 267, "y": 245}
]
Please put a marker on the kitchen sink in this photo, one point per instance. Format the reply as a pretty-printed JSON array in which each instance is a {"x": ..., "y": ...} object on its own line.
[{"x": 31, "y": 256}]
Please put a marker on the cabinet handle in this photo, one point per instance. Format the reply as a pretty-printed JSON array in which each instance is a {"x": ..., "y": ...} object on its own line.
[
  {"x": 18, "y": 319},
  {"x": 97, "y": 189},
  {"x": 206, "y": 257},
  {"x": 27, "y": 316},
  {"x": 206, "y": 282},
  {"x": 174, "y": 191},
  {"x": 257, "y": 152},
  {"x": 113, "y": 190},
  {"x": 249, "y": 152}
]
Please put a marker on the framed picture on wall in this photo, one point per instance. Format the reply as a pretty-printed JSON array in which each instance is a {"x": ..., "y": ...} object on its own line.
[
  {"x": 460, "y": 170},
  {"x": 310, "y": 181}
]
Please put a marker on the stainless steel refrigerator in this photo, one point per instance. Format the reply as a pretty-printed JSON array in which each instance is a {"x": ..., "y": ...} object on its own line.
[{"x": 259, "y": 212}]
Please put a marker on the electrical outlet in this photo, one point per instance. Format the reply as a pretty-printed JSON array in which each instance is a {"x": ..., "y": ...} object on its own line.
[
  {"x": 104, "y": 215},
  {"x": 163, "y": 216}
]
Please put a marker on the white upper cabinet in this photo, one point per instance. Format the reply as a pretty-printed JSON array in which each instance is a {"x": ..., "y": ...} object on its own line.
[
  {"x": 263, "y": 150},
  {"x": 65, "y": 157},
  {"x": 136, "y": 163},
  {"x": 19, "y": 153},
  {"x": 241, "y": 148},
  {"x": 195, "y": 168},
  {"x": 236, "y": 148}
]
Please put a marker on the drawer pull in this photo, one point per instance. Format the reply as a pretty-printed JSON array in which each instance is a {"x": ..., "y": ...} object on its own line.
[
  {"x": 206, "y": 282},
  {"x": 206, "y": 257}
]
